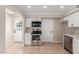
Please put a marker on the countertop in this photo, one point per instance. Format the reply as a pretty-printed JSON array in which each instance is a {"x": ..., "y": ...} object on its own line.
[{"x": 71, "y": 35}]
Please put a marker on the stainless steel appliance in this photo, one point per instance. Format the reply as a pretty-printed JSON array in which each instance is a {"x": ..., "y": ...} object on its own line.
[
  {"x": 36, "y": 23},
  {"x": 36, "y": 33},
  {"x": 68, "y": 43}
]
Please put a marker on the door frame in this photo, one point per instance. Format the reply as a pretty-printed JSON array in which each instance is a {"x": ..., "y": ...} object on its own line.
[{"x": 22, "y": 26}]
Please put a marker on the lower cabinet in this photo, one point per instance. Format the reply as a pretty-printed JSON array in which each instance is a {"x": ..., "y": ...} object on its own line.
[
  {"x": 76, "y": 46},
  {"x": 28, "y": 39}
]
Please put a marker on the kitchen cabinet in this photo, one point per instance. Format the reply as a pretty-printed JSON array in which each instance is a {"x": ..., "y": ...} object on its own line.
[
  {"x": 28, "y": 39},
  {"x": 76, "y": 46},
  {"x": 36, "y": 19},
  {"x": 65, "y": 19},
  {"x": 73, "y": 20},
  {"x": 28, "y": 22}
]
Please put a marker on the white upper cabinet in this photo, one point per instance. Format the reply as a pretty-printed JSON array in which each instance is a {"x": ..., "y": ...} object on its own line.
[
  {"x": 65, "y": 19},
  {"x": 28, "y": 22},
  {"x": 70, "y": 21},
  {"x": 73, "y": 20},
  {"x": 36, "y": 19}
]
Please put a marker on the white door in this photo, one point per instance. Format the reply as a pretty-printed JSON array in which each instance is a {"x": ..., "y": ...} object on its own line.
[
  {"x": 18, "y": 30},
  {"x": 47, "y": 30}
]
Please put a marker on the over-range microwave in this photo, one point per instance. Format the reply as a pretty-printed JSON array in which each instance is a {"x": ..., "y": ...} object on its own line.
[{"x": 36, "y": 23}]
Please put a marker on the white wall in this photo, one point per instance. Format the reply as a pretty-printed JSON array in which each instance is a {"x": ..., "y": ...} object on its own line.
[
  {"x": 3, "y": 24},
  {"x": 9, "y": 30},
  {"x": 2, "y": 29},
  {"x": 11, "y": 16}
]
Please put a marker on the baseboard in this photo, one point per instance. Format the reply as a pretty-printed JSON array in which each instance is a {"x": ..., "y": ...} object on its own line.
[
  {"x": 53, "y": 42},
  {"x": 18, "y": 41},
  {"x": 57, "y": 41}
]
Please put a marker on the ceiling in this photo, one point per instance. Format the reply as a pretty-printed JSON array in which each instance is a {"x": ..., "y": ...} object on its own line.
[{"x": 53, "y": 10}]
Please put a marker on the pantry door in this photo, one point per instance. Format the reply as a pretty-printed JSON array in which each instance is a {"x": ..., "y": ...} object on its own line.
[
  {"x": 17, "y": 29},
  {"x": 47, "y": 30}
]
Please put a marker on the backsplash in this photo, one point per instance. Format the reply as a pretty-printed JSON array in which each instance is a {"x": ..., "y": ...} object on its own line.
[
  {"x": 28, "y": 29},
  {"x": 68, "y": 30}
]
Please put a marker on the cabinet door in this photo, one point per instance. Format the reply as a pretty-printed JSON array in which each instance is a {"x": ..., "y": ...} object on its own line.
[
  {"x": 66, "y": 18},
  {"x": 28, "y": 22},
  {"x": 36, "y": 19},
  {"x": 74, "y": 20},
  {"x": 76, "y": 46},
  {"x": 71, "y": 21},
  {"x": 28, "y": 39}
]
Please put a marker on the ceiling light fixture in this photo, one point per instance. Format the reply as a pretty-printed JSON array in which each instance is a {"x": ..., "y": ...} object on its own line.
[
  {"x": 28, "y": 6},
  {"x": 44, "y": 6},
  {"x": 61, "y": 6}
]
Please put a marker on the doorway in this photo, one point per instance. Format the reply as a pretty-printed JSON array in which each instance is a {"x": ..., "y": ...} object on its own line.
[{"x": 14, "y": 32}]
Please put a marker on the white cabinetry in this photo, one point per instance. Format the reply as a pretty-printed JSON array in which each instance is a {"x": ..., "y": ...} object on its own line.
[
  {"x": 65, "y": 19},
  {"x": 76, "y": 46},
  {"x": 28, "y": 38},
  {"x": 28, "y": 22},
  {"x": 73, "y": 20},
  {"x": 36, "y": 19}
]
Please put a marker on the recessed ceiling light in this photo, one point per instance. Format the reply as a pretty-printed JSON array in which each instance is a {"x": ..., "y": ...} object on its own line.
[
  {"x": 44, "y": 6},
  {"x": 61, "y": 6},
  {"x": 28, "y": 6}
]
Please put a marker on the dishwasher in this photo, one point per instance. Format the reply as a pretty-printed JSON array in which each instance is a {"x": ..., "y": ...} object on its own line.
[{"x": 68, "y": 43}]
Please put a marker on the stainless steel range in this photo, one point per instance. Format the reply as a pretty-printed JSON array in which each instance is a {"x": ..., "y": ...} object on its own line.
[{"x": 36, "y": 33}]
